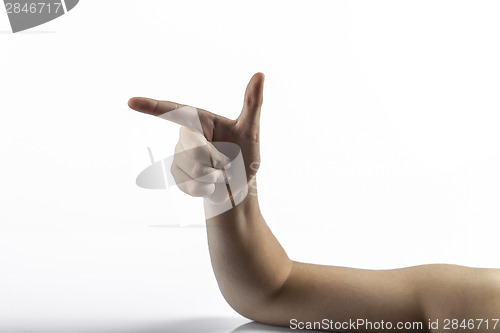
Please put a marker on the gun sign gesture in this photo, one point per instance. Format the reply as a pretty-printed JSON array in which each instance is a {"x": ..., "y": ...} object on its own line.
[{"x": 215, "y": 158}]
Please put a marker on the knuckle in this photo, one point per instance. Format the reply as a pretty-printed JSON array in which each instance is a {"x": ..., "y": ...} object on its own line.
[
  {"x": 174, "y": 170},
  {"x": 213, "y": 176},
  {"x": 197, "y": 170},
  {"x": 183, "y": 187},
  {"x": 182, "y": 132},
  {"x": 192, "y": 188},
  {"x": 178, "y": 146}
]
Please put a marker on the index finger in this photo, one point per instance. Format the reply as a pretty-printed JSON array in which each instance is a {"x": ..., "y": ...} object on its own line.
[{"x": 181, "y": 114}]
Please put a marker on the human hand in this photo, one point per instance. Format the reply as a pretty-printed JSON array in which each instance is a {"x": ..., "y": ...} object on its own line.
[{"x": 200, "y": 165}]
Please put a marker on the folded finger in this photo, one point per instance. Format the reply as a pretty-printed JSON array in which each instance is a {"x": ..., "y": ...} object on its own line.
[
  {"x": 191, "y": 186},
  {"x": 197, "y": 146},
  {"x": 199, "y": 171}
]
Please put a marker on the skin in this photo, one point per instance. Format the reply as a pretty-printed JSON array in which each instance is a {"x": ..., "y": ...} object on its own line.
[{"x": 260, "y": 282}]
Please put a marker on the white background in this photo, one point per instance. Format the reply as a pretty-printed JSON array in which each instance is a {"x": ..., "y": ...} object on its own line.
[{"x": 380, "y": 149}]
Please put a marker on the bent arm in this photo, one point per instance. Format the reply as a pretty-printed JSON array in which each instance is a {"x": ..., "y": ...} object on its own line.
[
  {"x": 249, "y": 263},
  {"x": 260, "y": 282}
]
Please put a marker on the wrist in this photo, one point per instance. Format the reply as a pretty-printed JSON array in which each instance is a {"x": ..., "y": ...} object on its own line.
[{"x": 243, "y": 200}]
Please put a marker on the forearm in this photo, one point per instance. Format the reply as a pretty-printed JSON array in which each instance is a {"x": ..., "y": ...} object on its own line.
[
  {"x": 260, "y": 282},
  {"x": 249, "y": 263}
]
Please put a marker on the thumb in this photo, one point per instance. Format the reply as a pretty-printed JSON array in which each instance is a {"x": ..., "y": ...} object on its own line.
[{"x": 250, "y": 115}]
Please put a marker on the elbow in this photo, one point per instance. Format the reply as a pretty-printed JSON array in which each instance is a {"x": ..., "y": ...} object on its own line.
[
  {"x": 256, "y": 311},
  {"x": 249, "y": 305},
  {"x": 262, "y": 304}
]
